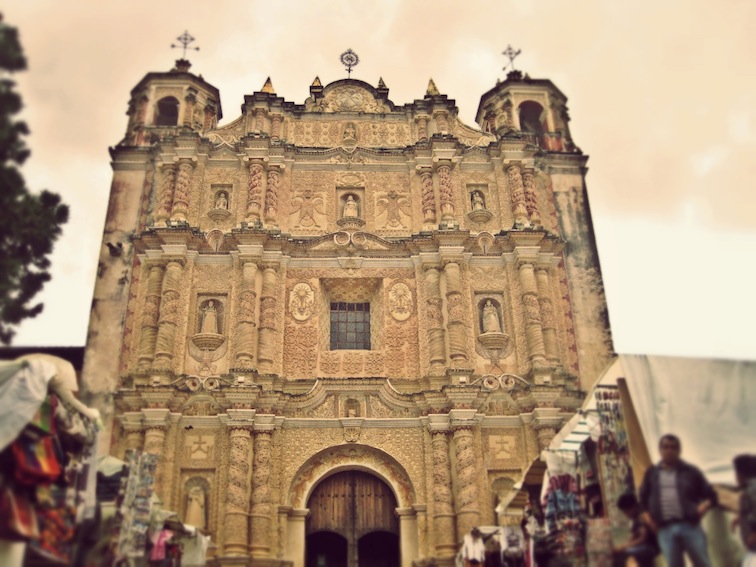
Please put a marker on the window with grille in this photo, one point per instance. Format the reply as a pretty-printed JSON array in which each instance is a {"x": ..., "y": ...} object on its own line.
[{"x": 350, "y": 326}]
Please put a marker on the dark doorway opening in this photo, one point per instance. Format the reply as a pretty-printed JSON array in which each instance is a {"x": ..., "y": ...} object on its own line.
[
  {"x": 326, "y": 549},
  {"x": 378, "y": 549}
]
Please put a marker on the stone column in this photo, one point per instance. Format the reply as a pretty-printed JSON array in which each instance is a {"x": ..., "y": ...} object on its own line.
[
  {"x": 546, "y": 434},
  {"x": 276, "y": 121},
  {"x": 267, "y": 331},
  {"x": 443, "y": 508},
  {"x": 428, "y": 196},
  {"x": 190, "y": 100},
  {"x": 466, "y": 492},
  {"x": 155, "y": 428},
  {"x": 261, "y": 516},
  {"x": 209, "y": 117},
  {"x": 455, "y": 314},
  {"x": 271, "y": 194},
  {"x": 245, "y": 318},
  {"x": 532, "y": 310},
  {"x": 149, "y": 324},
  {"x": 165, "y": 200},
  {"x": 255, "y": 191},
  {"x": 407, "y": 536},
  {"x": 295, "y": 537},
  {"x": 445, "y": 191},
  {"x": 236, "y": 525},
  {"x": 180, "y": 208},
  {"x": 517, "y": 193},
  {"x": 169, "y": 305},
  {"x": 134, "y": 438},
  {"x": 422, "y": 127},
  {"x": 548, "y": 320},
  {"x": 442, "y": 122},
  {"x": 531, "y": 201},
  {"x": 436, "y": 346}
]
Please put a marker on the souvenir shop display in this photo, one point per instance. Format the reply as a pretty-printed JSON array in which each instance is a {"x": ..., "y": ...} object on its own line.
[
  {"x": 135, "y": 506},
  {"x": 47, "y": 450}
]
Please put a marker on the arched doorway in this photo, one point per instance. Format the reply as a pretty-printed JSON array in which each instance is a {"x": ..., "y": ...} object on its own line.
[{"x": 352, "y": 522}]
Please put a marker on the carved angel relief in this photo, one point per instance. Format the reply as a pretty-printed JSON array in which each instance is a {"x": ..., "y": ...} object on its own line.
[
  {"x": 301, "y": 301},
  {"x": 400, "y": 301}
]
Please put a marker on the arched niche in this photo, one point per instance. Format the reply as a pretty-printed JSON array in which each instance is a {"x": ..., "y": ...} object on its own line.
[
  {"x": 532, "y": 117},
  {"x": 167, "y": 111}
]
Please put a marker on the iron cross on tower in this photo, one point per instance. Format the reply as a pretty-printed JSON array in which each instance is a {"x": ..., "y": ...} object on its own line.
[
  {"x": 512, "y": 54},
  {"x": 185, "y": 40}
]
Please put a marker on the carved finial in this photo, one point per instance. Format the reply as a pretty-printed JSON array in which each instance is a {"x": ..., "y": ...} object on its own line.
[
  {"x": 185, "y": 39},
  {"x": 512, "y": 54},
  {"x": 432, "y": 89},
  {"x": 349, "y": 59},
  {"x": 268, "y": 87},
  {"x": 381, "y": 84},
  {"x": 316, "y": 82}
]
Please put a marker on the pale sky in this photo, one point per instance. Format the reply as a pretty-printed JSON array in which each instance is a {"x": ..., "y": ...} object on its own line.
[{"x": 662, "y": 97}]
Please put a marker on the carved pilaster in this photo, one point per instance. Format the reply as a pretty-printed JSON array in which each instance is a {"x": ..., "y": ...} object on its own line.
[
  {"x": 271, "y": 195},
  {"x": 517, "y": 192},
  {"x": 455, "y": 314},
  {"x": 428, "y": 196},
  {"x": 532, "y": 312},
  {"x": 255, "y": 191},
  {"x": 445, "y": 191},
  {"x": 436, "y": 347},
  {"x": 261, "y": 515},
  {"x": 468, "y": 514},
  {"x": 245, "y": 318},
  {"x": 236, "y": 528},
  {"x": 548, "y": 321},
  {"x": 149, "y": 324},
  {"x": 276, "y": 121},
  {"x": 167, "y": 188},
  {"x": 531, "y": 202},
  {"x": 443, "y": 508},
  {"x": 422, "y": 127},
  {"x": 169, "y": 306},
  {"x": 190, "y": 100},
  {"x": 268, "y": 306},
  {"x": 154, "y": 444},
  {"x": 209, "y": 117},
  {"x": 183, "y": 185},
  {"x": 134, "y": 439},
  {"x": 442, "y": 122}
]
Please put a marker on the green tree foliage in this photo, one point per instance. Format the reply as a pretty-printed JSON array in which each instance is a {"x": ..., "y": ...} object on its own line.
[{"x": 29, "y": 223}]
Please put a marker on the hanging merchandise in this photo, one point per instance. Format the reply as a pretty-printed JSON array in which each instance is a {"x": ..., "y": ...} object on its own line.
[{"x": 136, "y": 507}]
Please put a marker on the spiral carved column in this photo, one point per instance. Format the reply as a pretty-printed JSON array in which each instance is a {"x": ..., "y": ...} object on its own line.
[
  {"x": 261, "y": 512},
  {"x": 238, "y": 496},
  {"x": 149, "y": 324},
  {"x": 180, "y": 208},
  {"x": 267, "y": 334},
  {"x": 455, "y": 314},
  {"x": 548, "y": 321},
  {"x": 428, "y": 197},
  {"x": 255, "y": 191},
  {"x": 167, "y": 188},
  {"x": 169, "y": 305},
  {"x": 445, "y": 191},
  {"x": 245, "y": 319},
  {"x": 436, "y": 346},
  {"x": 531, "y": 201},
  {"x": 468, "y": 514},
  {"x": 519, "y": 207},
  {"x": 443, "y": 508},
  {"x": 532, "y": 310},
  {"x": 271, "y": 195}
]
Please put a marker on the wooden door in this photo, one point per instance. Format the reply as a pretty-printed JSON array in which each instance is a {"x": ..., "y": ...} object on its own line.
[{"x": 353, "y": 504}]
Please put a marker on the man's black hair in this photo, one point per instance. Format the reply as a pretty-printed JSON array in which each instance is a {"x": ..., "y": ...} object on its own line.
[
  {"x": 671, "y": 438},
  {"x": 627, "y": 501},
  {"x": 745, "y": 465}
]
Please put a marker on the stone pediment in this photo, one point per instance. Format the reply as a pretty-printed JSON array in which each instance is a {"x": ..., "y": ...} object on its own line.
[{"x": 349, "y": 96}]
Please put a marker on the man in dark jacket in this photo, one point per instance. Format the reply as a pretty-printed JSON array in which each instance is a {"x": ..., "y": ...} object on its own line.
[{"x": 675, "y": 495}]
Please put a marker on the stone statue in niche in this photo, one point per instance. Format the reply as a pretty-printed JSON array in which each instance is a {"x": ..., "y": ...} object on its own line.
[
  {"x": 221, "y": 201},
  {"x": 478, "y": 201},
  {"x": 490, "y": 318},
  {"x": 351, "y": 208},
  {"x": 209, "y": 319},
  {"x": 350, "y": 132},
  {"x": 196, "y": 506}
]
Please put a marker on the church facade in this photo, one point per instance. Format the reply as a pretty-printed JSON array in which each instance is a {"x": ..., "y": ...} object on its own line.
[{"x": 346, "y": 326}]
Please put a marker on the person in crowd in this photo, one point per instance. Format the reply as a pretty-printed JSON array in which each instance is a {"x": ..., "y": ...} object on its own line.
[
  {"x": 474, "y": 548},
  {"x": 642, "y": 545},
  {"x": 745, "y": 472},
  {"x": 674, "y": 497}
]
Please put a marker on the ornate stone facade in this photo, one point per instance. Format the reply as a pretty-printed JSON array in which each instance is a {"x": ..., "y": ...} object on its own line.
[{"x": 345, "y": 284}]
